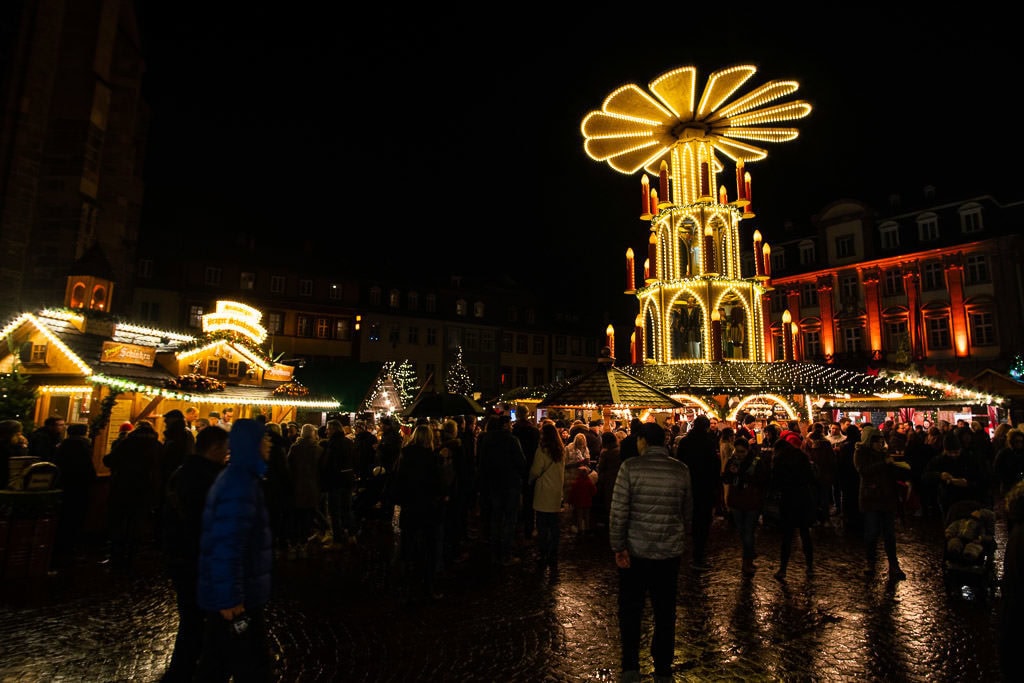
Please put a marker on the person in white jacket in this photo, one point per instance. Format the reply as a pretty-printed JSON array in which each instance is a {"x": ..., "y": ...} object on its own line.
[{"x": 547, "y": 476}]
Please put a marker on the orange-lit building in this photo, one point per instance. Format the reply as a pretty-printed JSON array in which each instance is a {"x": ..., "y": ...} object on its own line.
[{"x": 934, "y": 287}]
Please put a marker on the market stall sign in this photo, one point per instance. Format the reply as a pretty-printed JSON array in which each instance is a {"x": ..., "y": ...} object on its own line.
[
  {"x": 279, "y": 373},
  {"x": 117, "y": 352},
  {"x": 236, "y": 317}
]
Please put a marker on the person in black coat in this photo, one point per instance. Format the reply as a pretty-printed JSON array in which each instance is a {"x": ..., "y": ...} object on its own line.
[
  {"x": 628, "y": 448},
  {"x": 73, "y": 459},
  {"x": 184, "y": 501},
  {"x": 134, "y": 491},
  {"x": 528, "y": 433},
  {"x": 418, "y": 491},
  {"x": 503, "y": 468},
  {"x": 698, "y": 450},
  {"x": 848, "y": 482},
  {"x": 793, "y": 476}
]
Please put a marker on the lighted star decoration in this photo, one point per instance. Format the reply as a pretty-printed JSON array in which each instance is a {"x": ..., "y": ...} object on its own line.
[{"x": 635, "y": 129}]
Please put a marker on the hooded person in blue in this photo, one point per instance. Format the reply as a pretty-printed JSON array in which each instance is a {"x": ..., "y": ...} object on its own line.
[{"x": 235, "y": 560}]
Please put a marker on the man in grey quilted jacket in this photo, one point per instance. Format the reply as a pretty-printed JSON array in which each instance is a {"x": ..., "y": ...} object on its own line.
[{"x": 651, "y": 513}]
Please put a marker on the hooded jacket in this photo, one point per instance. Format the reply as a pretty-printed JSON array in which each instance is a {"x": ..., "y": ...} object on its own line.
[{"x": 235, "y": 556}]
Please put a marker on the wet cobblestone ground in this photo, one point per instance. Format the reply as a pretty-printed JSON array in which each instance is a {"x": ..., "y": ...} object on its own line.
[{"x": 340, "y": 616}]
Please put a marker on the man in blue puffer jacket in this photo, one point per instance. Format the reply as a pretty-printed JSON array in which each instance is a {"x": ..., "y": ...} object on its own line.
[{"x": 235, "y": 560}]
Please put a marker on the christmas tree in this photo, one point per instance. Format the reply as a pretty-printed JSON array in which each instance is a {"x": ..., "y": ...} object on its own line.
[
  {"x": 1017, "y": 367},
  {"x": 17, "y": 399},
  {"x": 404, "y": 378},
  {"x": 457, "y": 378}
]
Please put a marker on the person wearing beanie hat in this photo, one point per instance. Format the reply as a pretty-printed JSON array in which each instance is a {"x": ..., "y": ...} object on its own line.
[
  {"x": 235, "y": 562},
  {"x": 125, "y": 427}
]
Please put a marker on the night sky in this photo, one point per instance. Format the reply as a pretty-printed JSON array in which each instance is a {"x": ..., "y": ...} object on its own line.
[{"x": 462, "y": 131}]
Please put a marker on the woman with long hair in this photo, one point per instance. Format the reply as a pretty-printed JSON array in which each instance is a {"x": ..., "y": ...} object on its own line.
[
  {"x": 418, "y": 490},
  {"x": 547, "y": 475}
]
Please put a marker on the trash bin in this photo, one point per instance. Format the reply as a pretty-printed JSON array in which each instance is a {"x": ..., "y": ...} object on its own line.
[{"x": 28, "y": 527}]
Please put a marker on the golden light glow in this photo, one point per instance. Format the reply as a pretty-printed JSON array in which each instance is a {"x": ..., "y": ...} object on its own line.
[
  {"x": 65, "y": 390},
  {"x": 787, "y": 318},
  {"x": 236, "y": 317},
  {"x": 636, "y": 130}
]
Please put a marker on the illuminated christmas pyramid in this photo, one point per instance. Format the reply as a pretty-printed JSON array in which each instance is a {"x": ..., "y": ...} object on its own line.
[{"x": 695, "y": 303}]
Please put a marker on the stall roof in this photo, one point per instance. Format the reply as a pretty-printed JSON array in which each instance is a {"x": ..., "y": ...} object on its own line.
[{"x": 607, "y": 385}]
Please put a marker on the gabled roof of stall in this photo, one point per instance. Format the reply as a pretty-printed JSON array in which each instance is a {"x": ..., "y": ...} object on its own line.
[
  {"x": 85, "y": 350},
  {"x": 607, "y": 385}
]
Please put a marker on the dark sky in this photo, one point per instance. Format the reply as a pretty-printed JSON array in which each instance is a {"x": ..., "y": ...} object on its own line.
[{"x": 454, "y": 137}]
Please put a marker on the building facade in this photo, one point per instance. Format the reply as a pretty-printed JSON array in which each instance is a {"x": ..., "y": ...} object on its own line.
[{"x": 936, "y": 286}]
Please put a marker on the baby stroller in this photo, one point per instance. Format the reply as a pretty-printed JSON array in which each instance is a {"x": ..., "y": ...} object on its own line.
[{"x": 970, "y": 548}]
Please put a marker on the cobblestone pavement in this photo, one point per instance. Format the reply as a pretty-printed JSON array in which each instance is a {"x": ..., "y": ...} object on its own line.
[{"x": 340, "y": 616}]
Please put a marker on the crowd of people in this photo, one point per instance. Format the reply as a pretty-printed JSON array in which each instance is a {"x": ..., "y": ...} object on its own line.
[{"x": 225, "y": 498}]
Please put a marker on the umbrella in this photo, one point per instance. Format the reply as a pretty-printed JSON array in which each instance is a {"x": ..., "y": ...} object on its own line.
[{"x": 434, "y": 404}]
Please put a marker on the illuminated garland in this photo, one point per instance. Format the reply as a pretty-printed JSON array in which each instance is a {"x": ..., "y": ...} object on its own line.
[
  {"x": 291, "y": 389},
  {"x": 100, "y": 422},
  {"x": 212, "y": 338},
  {"x": 194, "y": 382}
]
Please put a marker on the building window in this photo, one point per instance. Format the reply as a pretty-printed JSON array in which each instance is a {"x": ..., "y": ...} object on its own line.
[
  {"x": 412, "y": 301},
  {"x": 478, "y": 309},
  {"x": 844, "y": 246},
  {"x": 305, "y": 288},
  {"x": 983, "y": 328},
  {"x": 938, "y": 333},
  {"x": 375, "y": 295},
  {"x": 522, "y": 344},
  {"x": 213, "y": 366},
  {"x": 890, "y": 234},
  {"x": 149, "y": 310},
  {"x": 334, "y": 291},
  {"x": 852, "y": 339},
  {"x": 530, "y": 316},
  {"x": 195, "y": 316},
  {"x": 394, "y": 298},
  {"x": 807, "y": 256},
  {"x": 431, "y": 336},
  {"x": 933, "y": 276},
  {"x": 812, "y": 344},
  {"x": 895, "y": 334},
  {"x": 38, "y": 353},
  {"x": 277, "y": 284},
  {"x": 560, "y": 344},
  {"x": 849, "y": 288},
  {"x": 431, "y": 303},
  {"x": 275, "y": 323},
  {"x": 522, "y": 377},
  {"x": 506, "y": 376},
  {"x": 247, "y": 281},
  {"x": 778, "y": 260},
  {"x": 414, "y": 334},
  {"x": 323, "y": 328},
  {"x": 538, "y": 376},
  {"x": 970, "y": 218},
  {"x": 538, "y": 345},
  {"x": 928, "y": 227},
  {"x": 212, "y": 276},
  {"x": 145, "y": 268},
  {"x": 232, "y": 368},
  {"x": 976, "y": 269},
  {"x": 507, "y": 342},
  {"x": 343, "y": 329},
  {"x": 512, "y": 314},
  {"x": 560, "y": 374},
  {"x": 373, "y": 334},
  {"x": 394, "y": 334},
  {"x": 460, "y": 307},
  {"x": 778, "y": 298},
  {"x": 487, "y": 341},
  {"x": 809, "y": 294},
  {"x": 304, "y": 326},
  {"x": 893, "y": 282},
  {"x": 471, "y": 340}
]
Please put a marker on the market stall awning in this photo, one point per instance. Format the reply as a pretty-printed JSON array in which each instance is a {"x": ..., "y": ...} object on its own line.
[{"x": 607, "y": 385}]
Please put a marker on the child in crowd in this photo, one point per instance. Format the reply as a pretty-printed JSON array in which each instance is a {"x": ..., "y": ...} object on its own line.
[{"x": 581, "y": 498}]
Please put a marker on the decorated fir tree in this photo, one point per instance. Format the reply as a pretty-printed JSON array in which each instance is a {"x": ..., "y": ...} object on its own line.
[
  {"x": 1017, "y": 368},
  {"x": 404, "y": 378},
  {"x": 457, "y": 378},
  {"x": 17, "y": 398}
]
